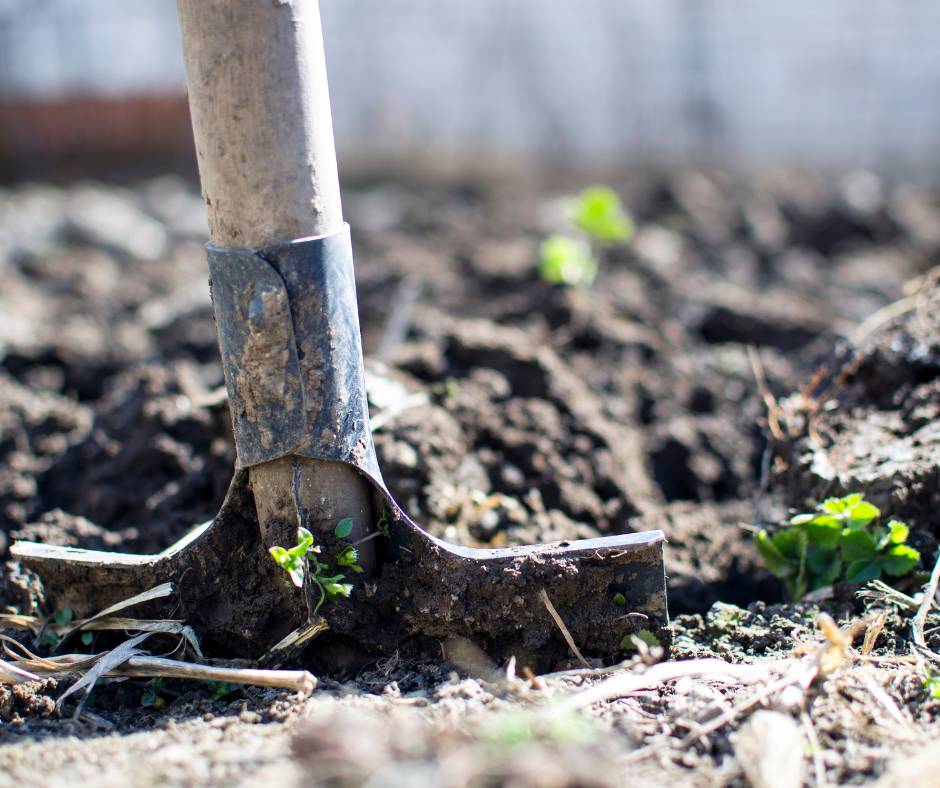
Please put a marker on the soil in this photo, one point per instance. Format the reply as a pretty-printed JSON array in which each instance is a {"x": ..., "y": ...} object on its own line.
[{"x": 507, "y": 411}]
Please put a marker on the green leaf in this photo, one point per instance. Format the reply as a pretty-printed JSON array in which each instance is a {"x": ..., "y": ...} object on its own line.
[
  {"x": 833, "y": 505},
  {"x": 823, "y": 565},
  {"x": 280, "y": 555},
  {"x": 338, "y": 589},
  {"x": 802, "y": 519},
  {"x": 774, "y": 560},
  {"x": 857, "y": 546},
  {"x": 863, "y": 570},
  {"x": 566, "y": 261},
  {"x": 792, "y": 543},
  {"x": 598, "y": 212},
  {"x": 619, "y": 599},
  {"x": 64, "y": 616},
  {"x": 296, "y": 573},
  {"x": 899, "y": 532},
  {"x": 87, "y": 638},
  {"x": 900, "y": 560},
  {"x": 304, "y": 537},
  {"x": 824, "y": 531},
  {"x": 861, "y": 514},
  {"x": 348, "y": 557},
  {"x": 343, "y": 528},
  {"x": 50, "y": 638}
]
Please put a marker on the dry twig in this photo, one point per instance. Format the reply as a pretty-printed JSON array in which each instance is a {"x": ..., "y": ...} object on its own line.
[
  {"x": 561, "y": 626},
  {"x": 930, "y": 591}
]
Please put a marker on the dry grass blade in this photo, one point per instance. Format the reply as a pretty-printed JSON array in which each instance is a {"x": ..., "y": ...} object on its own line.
[
  {"x": 11, "y": 674},
  {"x": 920, "y": 619},
  {"x": 160, "y": 667},
  {"x": 873, "y": 633},
  {"x": 105, "y": 662},
  {"x": 19, "y": 621},
  {"x": 48, "y": 666},
  {"x": 157, "y": 592},
  {"x": 629, "y": 683},
  {"x": 819, "y": 766},
  {"x": 166, "y": 626},
  {"x": 770, "y": 401},
  {"x": 296, "y": 638},
  {"x": 561, "y": 626}
]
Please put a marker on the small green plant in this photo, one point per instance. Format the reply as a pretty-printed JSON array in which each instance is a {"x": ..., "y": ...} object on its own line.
[
  {"x": 598, "y": 212},
  {"x": 221, "y": 689},
  {"x": 567, "y": 261},
  {"x": 151, "y": 697},
  {"x": 841, "y": 540},
  {"x": 633, "y": 641},
  {"x": 597, "y": 219},
  {"x": 382, "y": 525},
  {"x": 301, "y": 564}
]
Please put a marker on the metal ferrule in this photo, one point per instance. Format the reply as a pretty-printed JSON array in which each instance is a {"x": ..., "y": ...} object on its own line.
[{"x": 288, "y": 329}]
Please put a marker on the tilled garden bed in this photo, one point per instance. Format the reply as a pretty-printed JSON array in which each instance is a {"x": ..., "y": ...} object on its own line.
[{"x": 507, "y": 411}]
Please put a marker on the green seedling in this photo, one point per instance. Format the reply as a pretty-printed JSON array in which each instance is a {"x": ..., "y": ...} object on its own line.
[
  {"x": 598, "y": 213},
  {"x": 221, "y": 689},
  {"x": 633, "y": 641},
  {"x": 151, "y": 697},
  {"x": 295, "y": 560},
  {"x": 382, "y": 525},
  {"x": 596, "y": 219},
  {"x": 567, "y": 261},
  {"x": 301, "y": 564},
  {"x": 841, "y": 540}
]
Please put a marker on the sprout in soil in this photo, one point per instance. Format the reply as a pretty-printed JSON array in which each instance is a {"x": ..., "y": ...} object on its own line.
[
  {"x": 301, "y": 564},
  {"x": 596, "y": 218},
  {"x": 841, "y": 540}
]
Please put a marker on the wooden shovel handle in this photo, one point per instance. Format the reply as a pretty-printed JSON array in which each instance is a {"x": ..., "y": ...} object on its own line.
[{"x": 260, "y": 108}]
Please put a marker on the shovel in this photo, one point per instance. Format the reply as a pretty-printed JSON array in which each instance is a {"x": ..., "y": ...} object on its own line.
[{"x": 284, "y": 300}]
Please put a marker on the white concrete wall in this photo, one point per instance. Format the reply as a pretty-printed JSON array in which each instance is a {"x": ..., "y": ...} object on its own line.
[{"x": 835, "y": 82}]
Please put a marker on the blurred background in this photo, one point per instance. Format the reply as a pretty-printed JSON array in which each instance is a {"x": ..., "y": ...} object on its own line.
[{"x": 483, "y": 83}]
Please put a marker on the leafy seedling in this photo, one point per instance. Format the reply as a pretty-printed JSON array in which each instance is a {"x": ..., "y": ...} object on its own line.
[
  {"x": 294, "y": 560},
  {"x": 598, "y": 213},
  {"x": 151, "y": 697},
  {"x": 382, "y": 525},
  {"x": 596, "y": 218},
  {"x": 221, "y": 689},
  {"x": 636, "y": 640},
  {"x": 567, "y": 261},
  {"x": 841, "y": 540},
  {"x": 301, "y": 563}
]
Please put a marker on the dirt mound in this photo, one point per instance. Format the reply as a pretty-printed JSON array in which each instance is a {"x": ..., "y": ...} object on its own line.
[{"x": 870, "y": 421}]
